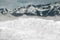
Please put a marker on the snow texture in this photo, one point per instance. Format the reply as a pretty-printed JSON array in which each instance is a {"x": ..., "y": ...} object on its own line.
[{"x": 30, "y": 29}]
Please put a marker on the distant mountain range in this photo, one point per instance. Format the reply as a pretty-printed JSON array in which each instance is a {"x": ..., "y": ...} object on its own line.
[{"x": 50, "y": 9}]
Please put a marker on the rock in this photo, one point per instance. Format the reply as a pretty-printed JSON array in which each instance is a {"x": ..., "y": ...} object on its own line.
[
  {"x": 3, "y": 11},
  {"x": 36, "y": 10},
  {"x": 19, "y": 12},
  {"x": 31, "y": 10}
]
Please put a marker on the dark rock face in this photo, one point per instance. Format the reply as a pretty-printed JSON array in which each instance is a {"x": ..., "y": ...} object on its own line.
[
  {"x": 29, "y": 14},
  {"x": 45, "y": 13},
  {"x": 38, "y": 13},
  {"x": 53, "y": 12},
  {"x": 3, "y": 11},
  {"x": 16, "y": 14},
  {"x": 49, "y": 12},
  {"x": 59, "y": 8},
  {"x": 6, "y": 9}
]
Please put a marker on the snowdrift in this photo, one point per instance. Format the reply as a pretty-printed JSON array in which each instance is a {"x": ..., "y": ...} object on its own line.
[{"x": 29, "y": 29}]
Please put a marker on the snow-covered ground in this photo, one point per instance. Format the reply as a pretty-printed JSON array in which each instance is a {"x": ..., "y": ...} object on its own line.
[{"x": 30, "y": 29}]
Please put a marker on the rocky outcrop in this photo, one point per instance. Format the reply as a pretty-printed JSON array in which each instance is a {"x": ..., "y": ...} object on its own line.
[
  {"x": 40, "y": 10},
  {"x": 51, "y": 9},
  {"x": 3, "y": 11}
]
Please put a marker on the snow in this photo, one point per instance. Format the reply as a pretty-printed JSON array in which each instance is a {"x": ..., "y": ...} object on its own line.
[
  {"x": 22, "y": 10},
  {"x": 31, "y": 9},
  {"x": 30, "y": 29},
  {"x": 40, "y": 9}
]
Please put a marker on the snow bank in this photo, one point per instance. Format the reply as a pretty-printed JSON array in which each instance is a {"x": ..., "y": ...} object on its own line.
[{"x": 30, "y": 29}]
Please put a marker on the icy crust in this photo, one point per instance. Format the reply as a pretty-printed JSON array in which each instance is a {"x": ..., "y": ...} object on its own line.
[{"x": 29, "y": 29}]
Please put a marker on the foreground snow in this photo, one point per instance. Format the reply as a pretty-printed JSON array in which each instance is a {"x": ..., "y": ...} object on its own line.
[{"x": 30, "y": 29}]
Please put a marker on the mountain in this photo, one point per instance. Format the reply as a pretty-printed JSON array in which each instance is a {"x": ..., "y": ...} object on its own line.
[
  {"x": 51, "y": 9},
  {"x": 45, "y": 10}
]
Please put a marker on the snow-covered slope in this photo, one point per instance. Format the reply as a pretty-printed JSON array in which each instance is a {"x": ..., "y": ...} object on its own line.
[{"x": 29, "y": 29}]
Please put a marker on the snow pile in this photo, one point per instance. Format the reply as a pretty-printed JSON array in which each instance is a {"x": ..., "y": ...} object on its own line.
[{"x": 29, "y": 29}]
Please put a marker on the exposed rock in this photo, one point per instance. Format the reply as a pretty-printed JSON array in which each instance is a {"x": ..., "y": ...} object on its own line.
[
  {"x": 50, "y": 9},
  {"x": 30, "y": 10},
  {"x": 3, "y": 11}
]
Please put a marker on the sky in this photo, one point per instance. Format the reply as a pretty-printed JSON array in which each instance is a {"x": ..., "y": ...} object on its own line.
[{"x": 16, "y": 3}]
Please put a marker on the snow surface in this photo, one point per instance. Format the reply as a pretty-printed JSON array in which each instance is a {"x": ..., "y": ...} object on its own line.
[
  {"x": 31, "y": 9},
  {"x": 30, "y": 29},
  {"x": 22, "y": 10}
]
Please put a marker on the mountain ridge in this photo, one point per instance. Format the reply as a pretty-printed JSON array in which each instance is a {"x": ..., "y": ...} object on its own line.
[{"x": 44, "y": 10}]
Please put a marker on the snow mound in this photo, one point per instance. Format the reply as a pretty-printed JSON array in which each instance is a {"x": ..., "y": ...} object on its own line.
[
  {"x": 29, "y": 29},
  {"x": 22, "y": 22}
]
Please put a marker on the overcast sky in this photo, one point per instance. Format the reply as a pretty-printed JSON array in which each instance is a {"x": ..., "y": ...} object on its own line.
[{"x": 15, "y": 3}]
